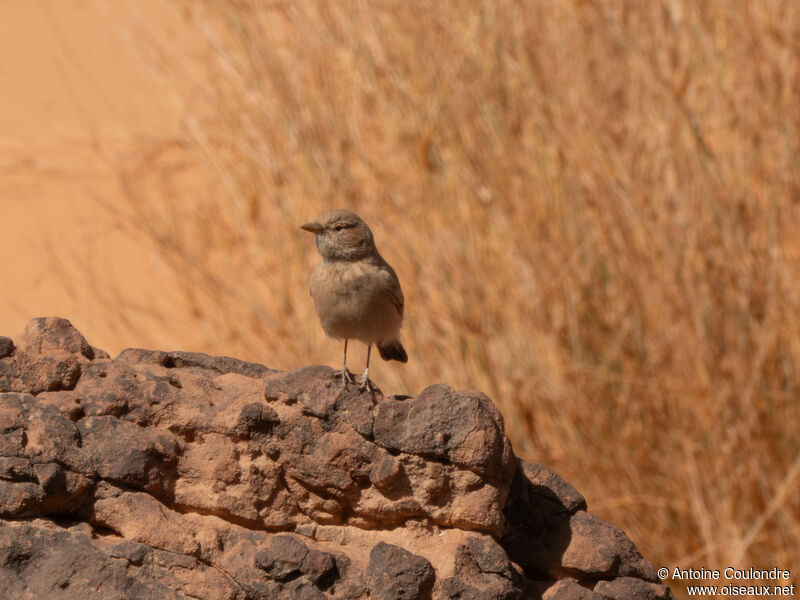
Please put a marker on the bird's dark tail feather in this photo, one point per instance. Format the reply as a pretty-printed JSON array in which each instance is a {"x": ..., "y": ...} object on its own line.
[{"x": 393, "y": 351}]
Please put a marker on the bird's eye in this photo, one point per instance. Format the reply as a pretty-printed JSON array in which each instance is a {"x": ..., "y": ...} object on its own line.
[{"x": 338, "y": 227}]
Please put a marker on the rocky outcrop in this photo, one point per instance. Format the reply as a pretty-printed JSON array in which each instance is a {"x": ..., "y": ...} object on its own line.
[{"x": 180, "y": 475}]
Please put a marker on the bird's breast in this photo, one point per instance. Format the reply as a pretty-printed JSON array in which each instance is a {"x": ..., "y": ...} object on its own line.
[
  {"x": 352, "y": 302},
  {"x": 340, "y": 279}
]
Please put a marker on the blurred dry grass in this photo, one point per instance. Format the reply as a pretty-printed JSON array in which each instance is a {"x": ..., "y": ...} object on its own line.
[{"x": 593, "y": 207}]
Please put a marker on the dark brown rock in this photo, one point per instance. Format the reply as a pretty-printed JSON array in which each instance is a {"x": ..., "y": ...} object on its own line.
[
  {"x": 46, "y": 335},
  {"x": 538, "y": 529},
  {"x": 483, "y": 572},
  {"x": 38, "y": 560},
  {"x": 631, "y": 588},
  {"x": 98, "y": 353},
  {"x": 579, "y": 545},
  {"x": 6, "y": 347},
  {"x": 464, "y": 429},
  {"x": 568, "y": 589},
  {"x": 133, "y": 552},
  {"x": 395, "y": 573},
  {"x": 23, "y": 372},
  {"x": 256, "y": 419},
  {"x": 300, "y": 589},
  {"x": 320, "y": 567},
  {"x": 315, "y": 384},
  {"x": 384, "y": 472},
  {"x": 547, "y": 485},
  {"x": 216, "y": 364},
  {"x": 600, "y": 549},
  {"x": 283, "y": 559},
  {"x": 193, "y": 361},
  {"x": 358, "y": 408},
  {"x": 487, "y": 555},
  {"x": 123, "y": 452},
  {"x": 178, "y": 475}
]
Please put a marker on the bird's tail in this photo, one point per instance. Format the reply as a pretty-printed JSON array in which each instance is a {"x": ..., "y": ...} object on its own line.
[{"x": 393, "y": 351}]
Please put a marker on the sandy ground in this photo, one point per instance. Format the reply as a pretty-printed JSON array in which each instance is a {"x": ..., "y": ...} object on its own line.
[{"x": 84, "y": 83}]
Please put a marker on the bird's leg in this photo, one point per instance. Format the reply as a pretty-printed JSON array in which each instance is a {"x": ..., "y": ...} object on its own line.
[
  {"x": 345, "y": 374},
  {"x": 366, "y": 384}
]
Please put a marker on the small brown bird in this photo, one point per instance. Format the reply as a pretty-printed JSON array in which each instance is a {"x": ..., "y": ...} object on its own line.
[{"x": 356, "y": 293}]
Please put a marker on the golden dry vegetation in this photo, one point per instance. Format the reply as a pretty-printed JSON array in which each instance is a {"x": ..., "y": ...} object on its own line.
[{"x": 593, "y": 207}]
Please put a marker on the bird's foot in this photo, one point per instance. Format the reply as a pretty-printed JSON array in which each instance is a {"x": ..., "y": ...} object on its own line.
[
  {"x": 346, "y": 376},
  {"x": 366, "y": 385}
]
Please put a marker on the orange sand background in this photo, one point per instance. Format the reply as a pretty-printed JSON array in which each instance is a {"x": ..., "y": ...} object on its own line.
[{"x": 78, "y": 94}]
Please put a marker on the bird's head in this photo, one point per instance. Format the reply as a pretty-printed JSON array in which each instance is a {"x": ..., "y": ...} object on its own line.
[{"x": 341, "y": 235}]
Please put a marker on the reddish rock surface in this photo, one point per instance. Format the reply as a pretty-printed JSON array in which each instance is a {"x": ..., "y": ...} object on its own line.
[{"x": 180, "y": 475}]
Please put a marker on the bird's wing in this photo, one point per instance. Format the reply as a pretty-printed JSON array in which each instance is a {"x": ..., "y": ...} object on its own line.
[{"x": 392, "y": 286}]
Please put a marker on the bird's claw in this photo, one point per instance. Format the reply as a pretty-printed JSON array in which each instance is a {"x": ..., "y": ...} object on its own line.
[
  {"x": 366, "y": 386},
  {"x": 346, "y": 376}
]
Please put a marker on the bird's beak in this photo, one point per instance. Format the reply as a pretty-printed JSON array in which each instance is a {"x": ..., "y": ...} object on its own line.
[{"x": 312, "y": 227}]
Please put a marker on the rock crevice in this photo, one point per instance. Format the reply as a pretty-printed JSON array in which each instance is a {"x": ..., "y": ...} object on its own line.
[{"x": 182, "y": 475}]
